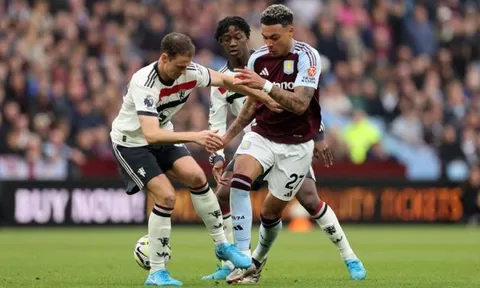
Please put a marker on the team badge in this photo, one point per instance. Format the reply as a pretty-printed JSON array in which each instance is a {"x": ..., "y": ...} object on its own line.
[
  {"x": 288, "y": 67},
  {"x": 311, "y": 71}
]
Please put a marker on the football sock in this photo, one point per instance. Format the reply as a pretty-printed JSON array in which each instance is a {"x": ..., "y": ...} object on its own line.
[
  {"x": 269, "y": 230},
  {"x": 328, "y": 222},
  {"x": 241, "y": 211},
  {"x": 206, "y": 205},
  {"x": 159, "y": 229},
  {"x": 227, "y": 226}
]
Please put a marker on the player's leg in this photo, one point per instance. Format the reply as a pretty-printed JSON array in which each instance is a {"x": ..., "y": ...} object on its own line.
[
  {"x": 140, "y": 170},
  {"x": 325, "y": 217},
  {"x": 284, "y": 180},
  {"x": 253, "y": 157},
  {"x": 204, "y": 201},
  {"x": 223, "y": 195}
]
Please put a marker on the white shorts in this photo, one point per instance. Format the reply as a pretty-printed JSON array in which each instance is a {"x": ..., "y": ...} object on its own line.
[{"x": 289, "y": 163}]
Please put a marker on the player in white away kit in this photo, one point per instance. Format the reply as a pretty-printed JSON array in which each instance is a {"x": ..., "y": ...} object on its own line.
[
  {"x": 146, "y": 147},
  {"x": 289, "y": 72},
  {"x": 233, "y": 34}
]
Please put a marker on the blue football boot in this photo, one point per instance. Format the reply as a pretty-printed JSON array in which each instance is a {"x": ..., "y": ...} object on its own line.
[
  {"x": 220, "y": 274},
  {"x": 356, "y": 269},
  {"x": 162, "y": 278},
  {"x": 229, "y": 252}
]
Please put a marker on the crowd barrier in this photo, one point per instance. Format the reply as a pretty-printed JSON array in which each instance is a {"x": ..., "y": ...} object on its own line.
[{"x": 35, "y": 203}]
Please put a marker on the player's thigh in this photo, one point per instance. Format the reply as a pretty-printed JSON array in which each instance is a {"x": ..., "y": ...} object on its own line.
[
  {"x": 273, "y": 207},
  {"x": 290, "y": 170},
  {"x": 137, "y": 166},
  {"x": 187, "y": 170},
  {"x": 162, "y": 191},
  {"x": 254, "y": 156}
]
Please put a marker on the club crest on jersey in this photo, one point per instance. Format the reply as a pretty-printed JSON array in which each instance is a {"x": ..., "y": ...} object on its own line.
[
  {"x": 148, "y": 101},
  {"x": 288, "y": 67}
]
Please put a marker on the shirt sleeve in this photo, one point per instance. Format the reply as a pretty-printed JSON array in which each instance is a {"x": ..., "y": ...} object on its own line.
[
  {"x": 202, "y": 75},
  {"x": 144, "y": 99},
  {"x": 217, "y": 117},
  {"x": 309, "y": 68}
]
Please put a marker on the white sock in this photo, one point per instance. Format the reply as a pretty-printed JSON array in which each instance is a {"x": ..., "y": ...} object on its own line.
[
  {"x": 228, "y": 229},
  {"x": 268, "y": 233},
  {"x": 241, "y": 211},
  {"x": 328, "y": 222},
  {"x": 159, "y": 229},
  {"x": 207, "y": 207}
]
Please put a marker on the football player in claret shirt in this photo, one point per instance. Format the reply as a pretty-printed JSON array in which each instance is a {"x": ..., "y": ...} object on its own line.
[
  {"x": 280, "y": 143},
  {"x": 233, "y": 34}
]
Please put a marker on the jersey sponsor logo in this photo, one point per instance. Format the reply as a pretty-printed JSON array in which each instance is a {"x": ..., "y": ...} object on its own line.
[
  {"x": 284, "y": 85},
  {"x": 148, "y": 101},
  {"x": 312, "y": 71},
  {"x": 288, "y": 67}
]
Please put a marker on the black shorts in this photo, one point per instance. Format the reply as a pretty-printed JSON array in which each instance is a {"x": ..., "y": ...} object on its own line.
[
  {"x": 258, "y": 183},
  {"x": 139, "y": 165}
]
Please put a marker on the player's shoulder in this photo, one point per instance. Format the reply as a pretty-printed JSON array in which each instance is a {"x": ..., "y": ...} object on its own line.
[
  {"x": 194, "y": 70},
  {"x": 145, "y": 76},
  {"x": 260, "y": 52},
  {"x": 304, "y": 49}
]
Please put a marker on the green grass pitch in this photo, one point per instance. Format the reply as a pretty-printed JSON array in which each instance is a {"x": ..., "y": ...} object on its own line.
[{"x": 395, "y": 256}]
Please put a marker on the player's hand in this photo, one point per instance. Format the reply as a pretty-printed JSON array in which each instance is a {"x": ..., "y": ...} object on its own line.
[
  {"x": 248, "y": 78},
  {"x": 322, "y": 149},
  {"x": 217, "y": 172},
  {"x": 210, "y": 139}
]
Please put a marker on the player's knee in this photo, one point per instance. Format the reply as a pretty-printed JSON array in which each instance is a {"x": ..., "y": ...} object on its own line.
[
  {"x": 165, "y": 199},
  {"x": 267, "y": 214},
  {"x": 196, "y": 178}
]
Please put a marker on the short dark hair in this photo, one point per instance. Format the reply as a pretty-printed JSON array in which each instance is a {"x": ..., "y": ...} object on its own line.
[
  {"x": 174, "y": 44},
  {"x": 235, "y": 21},
  {"x": 277, "y": 14}
]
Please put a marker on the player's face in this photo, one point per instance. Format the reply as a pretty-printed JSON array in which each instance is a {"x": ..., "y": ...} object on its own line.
[
  {"x": 176, "y": 66},
  {"x": 234, "y": 42},
  {"x": 277, "y": 38}
]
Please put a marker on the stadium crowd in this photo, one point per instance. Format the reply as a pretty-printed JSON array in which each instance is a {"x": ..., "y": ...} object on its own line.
[{"x": 401, "y": 79}]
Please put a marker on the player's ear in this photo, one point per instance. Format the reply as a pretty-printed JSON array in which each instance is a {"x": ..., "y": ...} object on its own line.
[
  {"x": 164, "y": 57},
  {"x": 291, "y": 30}
]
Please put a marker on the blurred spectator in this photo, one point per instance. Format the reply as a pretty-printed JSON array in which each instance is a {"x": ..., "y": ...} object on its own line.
[
  {"x": 413, "y": 67},
  {"x": 471, "y": 197},
  {"x": 360, "y": 136}
]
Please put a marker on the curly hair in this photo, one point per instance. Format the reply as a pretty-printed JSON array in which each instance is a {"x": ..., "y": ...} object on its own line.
[
  {"x": 277, "y": 14},
  {"x": 235, "y": 21}
]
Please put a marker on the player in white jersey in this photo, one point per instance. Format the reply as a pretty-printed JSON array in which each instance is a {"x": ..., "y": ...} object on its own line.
[
  {"x": 146, "y": 148},
  {"x": 233, "y": 34}
]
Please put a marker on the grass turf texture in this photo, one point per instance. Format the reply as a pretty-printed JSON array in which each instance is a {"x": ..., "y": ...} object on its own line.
[{"x": 395, "y": 256}]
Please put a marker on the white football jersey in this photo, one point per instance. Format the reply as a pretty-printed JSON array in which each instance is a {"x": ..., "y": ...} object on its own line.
[
  {"x": 148, "y": 95},
  {"x": 221, "y": 100}
]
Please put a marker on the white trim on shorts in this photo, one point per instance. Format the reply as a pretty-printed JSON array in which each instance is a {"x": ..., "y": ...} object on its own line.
[{"x": 127, "y": 167}]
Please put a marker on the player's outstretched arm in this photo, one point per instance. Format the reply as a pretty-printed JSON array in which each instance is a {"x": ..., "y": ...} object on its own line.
[
  {"x": 226, "y": 81},
  {"x": 244, "y": 118},
  {"x": 156, "y": 135},
  {"x": 296, "y": 102}
]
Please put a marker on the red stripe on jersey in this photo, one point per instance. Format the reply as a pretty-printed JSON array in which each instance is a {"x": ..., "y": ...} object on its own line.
[
  {"x": 222, "y": 90},
  {"x": 175, "y": 89}
]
